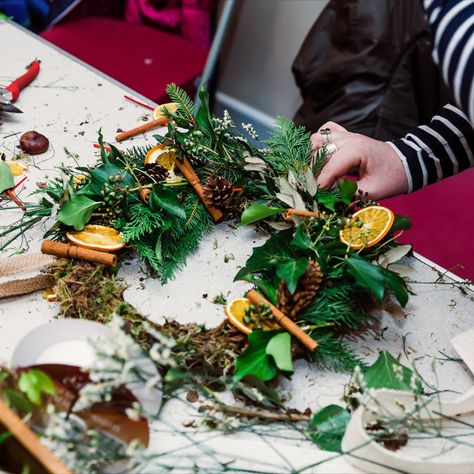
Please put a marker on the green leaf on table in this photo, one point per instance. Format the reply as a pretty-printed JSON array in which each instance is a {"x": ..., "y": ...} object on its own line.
[
  {"x": 275, "y": 250},
  {"x": 397, "y": 284},
  {"x": 347, "y": 188},
  {"x": 203, "y": 116},
  {"x": 327, "y": 427},
  {"x": 257, "y": 212},
  {"x": 6, "y": 177},
  {"x": 166, "y": 199},
  {"x": 35, "y": 383},
  {"x": 367, "y": 275},
  {"x": 291, "y": 271},
  {"x": 401, "y": 223},
  {"x": 279, "y": 348},
  {"x": 267, "y": 351},
  {"x": 77, "y": 211},
  {"x": 301, "y": 239},
  {"x": 387, "y": 372}
]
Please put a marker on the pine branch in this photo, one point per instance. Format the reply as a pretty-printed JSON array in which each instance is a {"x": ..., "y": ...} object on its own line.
[
  {"x": 135, "y": 156},
  {"x": 185, "y": 105},
  {"x": 148, "y": 254},
  {"x": 290, "y": 147},
  {"x": 141, "y": 222},
  {"x": 334, "y": 354}
]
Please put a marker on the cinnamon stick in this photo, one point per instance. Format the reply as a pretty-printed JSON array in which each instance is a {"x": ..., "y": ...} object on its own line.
[
  {"x": 300, "y": 213},
  {"x": 284, "y": 321},
  {"x": 159, "y": 122},
  {"x": 72, "y": 251},
  {"x": 188, "y": 172},
  {"x": 144, "y": 194}
]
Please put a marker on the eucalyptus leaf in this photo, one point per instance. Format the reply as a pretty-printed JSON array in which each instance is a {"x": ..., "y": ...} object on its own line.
[
  {"x": 279, "y": 347},
  {"x": 291, "y": 271},
  {"x": 257, "y": 212},
  {"x": 285, "y": 186},
  {"x": 387, "y": 372},
  {"x": 311, "y": 184},
  {"x": 77, "y": 211},
  {"x": 328, "y": 426},
  {"x": 259, "y": 168},
  {"x": 299, "y": 203},
  {"x": 166, "y": 199},
  {"x": 35, "y": 383},
  {"x": 286, "y": 198},
  {"x": 7, "y": 180},
  {"x": 397, "y": 253},
  {"x": 255, "y": 160},
  {"x": 279, "y": 225}
]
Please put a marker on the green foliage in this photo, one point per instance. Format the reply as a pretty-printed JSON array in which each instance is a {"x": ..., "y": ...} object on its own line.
[
  {"x": 35, "y": 383},
  {"x": 77, "y": 211},
  {"x": 291, "y": 271},
  {"x": 267, "y": 351},
  {"x": 142, "y": 221},
  {"x": 387, "y": 372},
  {"x": 257, "y": 212},
  {"x": 290, "y": 147},
  {"x": 204, "y": 117},
  {"x": 401, "y": 223},
  {"x": 165, "y": 199},
  {"x": 6, "y": 177},
  {"x": 327, "y": 427},
  {"x": 185, "y": 106}
]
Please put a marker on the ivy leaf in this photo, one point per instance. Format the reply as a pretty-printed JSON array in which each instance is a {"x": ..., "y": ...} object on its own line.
[
  {"x": 347, "y": 188},
  {"x": 327, "y": 427},
  {"x": 367, "y": 275},
  {"x": 401, "y": 223},
  {"x": 273, "y": 251},
  {"x": 279, "y": 348},
  {"x": 34, "y": 383},
  {"x": 291, "y": 271},
  {"x": 166, "y": 199},
  {"x": 387, "y": 372},
  {"x": 257, "y": 212},
  {"x": 397, "y": 284},
  {"x": 77, "y": 211},
  {"x": 203, "y": 116},
  {"x": 301, "y": 239},
  {"x": 255, "y": 360},
  {"x": 6, "y": 177}
]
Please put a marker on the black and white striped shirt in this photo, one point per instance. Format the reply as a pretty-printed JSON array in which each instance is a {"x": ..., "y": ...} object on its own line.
[{"x": 446, "y": 145}]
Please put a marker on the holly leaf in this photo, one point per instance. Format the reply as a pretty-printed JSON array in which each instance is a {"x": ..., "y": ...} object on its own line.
[
  {"x": 77, "y": 211},
  {"x": 327, "y": 427},
  {"x": 397, "y": 284},
  {"x": 255, "y": 360},
  {"x": 166, "y": 199},
  {"x": 291, "y": 271},
  {"x": 367, "y": 276},
  {"x": 401, "y": 223},
  {"x": 347, "y": 188},
  {"x": 329, "y": 200},
  {"x": 257, "y": 212},
  {"x": 101, "y": 174},
  {"x": 273, "y": 251},
  {"x": 279, "y": 347},
  {"x": 387, "y": 372},
  {"x": 6, "y": 177},
  {"x": 301, "y": 239},
  {"x": 34, "y": 383}
]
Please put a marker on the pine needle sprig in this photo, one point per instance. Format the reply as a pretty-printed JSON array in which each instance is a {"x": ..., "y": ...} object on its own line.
[
  {"x": 147, "y": 253},
  {"x": 135, "y": 156},
  {"x": 289, "y": 147},
  {"x": 185, "y": 105},
  {"x": 142, "y": 221}
]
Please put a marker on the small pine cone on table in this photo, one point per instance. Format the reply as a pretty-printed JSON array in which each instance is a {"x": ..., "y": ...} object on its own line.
[
  {"x": 152, "y": 172},
  {"x": 306, "y": 289},
  {"x": 218, "y": 191}
]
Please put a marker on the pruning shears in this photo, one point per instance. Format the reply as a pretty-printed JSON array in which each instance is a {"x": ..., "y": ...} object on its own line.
[{"x": 10, "y": 94}]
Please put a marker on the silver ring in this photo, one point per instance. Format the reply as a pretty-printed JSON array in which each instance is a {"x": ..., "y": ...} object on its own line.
[
  {"x": 331, "y": 148},
  {"x": 326, "y": 133}
]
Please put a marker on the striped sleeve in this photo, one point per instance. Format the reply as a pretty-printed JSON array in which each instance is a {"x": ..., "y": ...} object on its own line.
[
  {"x": 452, "y": 28},
  {"x": 440, "y": 149}
]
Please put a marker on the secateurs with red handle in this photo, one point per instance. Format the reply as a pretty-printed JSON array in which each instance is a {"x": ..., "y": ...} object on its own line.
[{"x": 9, "y": 94}]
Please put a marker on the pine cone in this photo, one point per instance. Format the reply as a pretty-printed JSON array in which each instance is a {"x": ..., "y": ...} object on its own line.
[
  {"x": 308, "y": 285},
  {"x": 218, "y": 191},
  {"x": 197, "y": 161},
  {"x": 152, "y": 172}
]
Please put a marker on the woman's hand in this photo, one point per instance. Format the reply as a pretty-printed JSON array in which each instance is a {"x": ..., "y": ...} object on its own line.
[{"x": 381, "y": 172}]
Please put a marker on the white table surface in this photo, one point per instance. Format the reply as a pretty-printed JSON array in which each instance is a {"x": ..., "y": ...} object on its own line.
[{"x": 69, "y": 102}]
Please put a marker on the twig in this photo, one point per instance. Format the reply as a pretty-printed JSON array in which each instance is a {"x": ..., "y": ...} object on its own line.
[
  {"x": 135, "y": 101},
  {"x": 262, "y": 414}
]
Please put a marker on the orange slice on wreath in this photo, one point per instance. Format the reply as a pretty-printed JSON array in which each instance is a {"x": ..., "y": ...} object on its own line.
[
  {"x": 235, "y": 312},
  {"x": 162, "y": 155},
  {"x": 158, "y": 112},
  {"x": 97, "y": 237},
  {"x": 367, "y": 227}
]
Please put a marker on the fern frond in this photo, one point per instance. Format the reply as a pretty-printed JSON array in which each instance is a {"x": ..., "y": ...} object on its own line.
[
  {"x": 185, "y": 105},
  {"x": 289, "y": 147}
]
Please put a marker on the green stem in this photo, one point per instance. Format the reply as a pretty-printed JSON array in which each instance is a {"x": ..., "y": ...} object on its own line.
[{"x": 30, "y": 223}]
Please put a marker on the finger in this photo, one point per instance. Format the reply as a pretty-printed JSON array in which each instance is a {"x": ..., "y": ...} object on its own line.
[
  {"x": 339, "y": 165},
  {"x": 336, "y": 137},
  {"x": 333, "y": 126}
]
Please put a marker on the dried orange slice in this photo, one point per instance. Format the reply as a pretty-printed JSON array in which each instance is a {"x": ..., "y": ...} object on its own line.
[
  {"x": 97, "y": 237},
  {"x": 158, "y": 112},
  {"x": 162, "y": 155},
  {"x": 16, "y": 167},
  {"x": 367, "y": 227},
  {"x": 235, "y": 312}
]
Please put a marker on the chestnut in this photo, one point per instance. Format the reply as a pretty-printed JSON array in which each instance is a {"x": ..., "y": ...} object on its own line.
[{"x": 33, "y": 143}]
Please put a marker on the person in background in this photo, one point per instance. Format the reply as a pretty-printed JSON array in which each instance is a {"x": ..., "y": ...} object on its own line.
[{"x": 430, "y": 152}]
